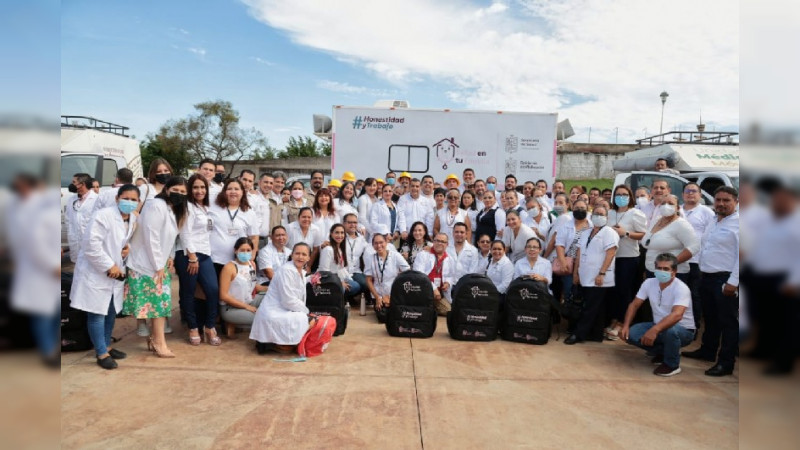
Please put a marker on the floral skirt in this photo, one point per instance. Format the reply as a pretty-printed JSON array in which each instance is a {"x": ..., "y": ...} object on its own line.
[{"x": 144, "y": 299}]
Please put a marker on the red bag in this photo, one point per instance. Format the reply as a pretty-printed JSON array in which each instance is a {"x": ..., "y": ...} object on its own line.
[{"x": 317, "y": 338}]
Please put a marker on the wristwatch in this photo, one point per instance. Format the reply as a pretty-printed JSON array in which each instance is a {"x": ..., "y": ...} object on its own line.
[
  {"x": 627, "y": 234},
  {"x": 602, "y": 273}
]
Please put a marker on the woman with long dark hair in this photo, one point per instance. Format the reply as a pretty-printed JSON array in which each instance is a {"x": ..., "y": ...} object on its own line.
[
  {"x": 333, "y": 258},
  {"x": 194, "y": 265},
  {"x": 366, "y": 199},
  {"x": 346, "y": 201},
  {"x": 418, "y": 241},
  {"x": 147, "y": 286},
  {"x": 232, "y": 218},
  {"x": 324, "y": 212}
]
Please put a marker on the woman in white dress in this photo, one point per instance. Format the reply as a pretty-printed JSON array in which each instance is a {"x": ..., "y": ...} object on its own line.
[
  {"x": 282, "y": 317},
  {"x": 99, "y": 273},
  {"x": 447, "y": 217}
]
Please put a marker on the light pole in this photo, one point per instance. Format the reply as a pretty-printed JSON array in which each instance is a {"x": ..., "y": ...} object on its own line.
[{"x": 663, "y": 96}]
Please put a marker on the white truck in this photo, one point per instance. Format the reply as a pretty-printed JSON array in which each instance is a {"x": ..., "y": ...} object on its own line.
[
  {"x": 96, "y": 147},
  {"x": 371, "y": 141},
  {"x": 710, "y": 162}
]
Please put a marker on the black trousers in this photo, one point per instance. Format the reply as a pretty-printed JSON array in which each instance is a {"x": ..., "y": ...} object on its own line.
[
  {"x": 721, "y": 315},
  {"x": 694, "y": 287},
  {"x": 590, "y": 325}
]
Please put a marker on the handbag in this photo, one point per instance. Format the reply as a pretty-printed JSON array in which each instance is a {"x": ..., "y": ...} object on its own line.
[
  {"x": 566, "y": 270},
  {"x": 573, "y": 304}
]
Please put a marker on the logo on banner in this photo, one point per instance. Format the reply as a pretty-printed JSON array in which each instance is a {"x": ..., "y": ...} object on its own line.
[
  {"x": 378, "y": 123},
  {"x": 445, "y": 151},
  {"x": 512, "y": 144}
]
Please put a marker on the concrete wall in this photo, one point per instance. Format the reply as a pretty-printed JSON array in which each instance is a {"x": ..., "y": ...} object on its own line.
[{"x": 574, "y": 161}]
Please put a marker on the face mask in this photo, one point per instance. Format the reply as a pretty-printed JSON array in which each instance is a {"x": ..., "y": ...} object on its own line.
[
  {"x": 219, "y": 177},
  {"x": 490, "y": 186},
  {"x": 244, "y": 256},
  {"x": 162, "y": 178},
  {"x": 72, "y": 188},
  {"x": 177, "y": 199},
  {"x": 579, "y": 214},
  {"x": 533, "y": 212},
  {"x": 390, "y": 181},
  {"x": 667, "y": 210},
  {"x": 127, "y": 206},
  {"x": 642, "y": 201},
  {"x": 297, "y": 194},
  {"x": 621, "y": 201},
  {"x": 663, "y": 276},
  {"x": 599, "y": 221},
  {"x": 559, "y": 209}
]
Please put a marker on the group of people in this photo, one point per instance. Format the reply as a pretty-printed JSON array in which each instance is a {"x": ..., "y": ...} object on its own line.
[{"x": 243, "y": 249}]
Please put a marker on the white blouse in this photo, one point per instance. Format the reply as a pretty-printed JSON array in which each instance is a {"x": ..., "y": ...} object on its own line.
[
  {"x": 229, "y": 225},
  {"x": 153, "y": 243},
  {"x": 312, "y": 237},
  {"x": 195, "y": 236},
  {"x": 673, "y": 238},
  {"x": 425, "y": 262},
  {"x": 381, "y": 216},
  {"x": 384, "y": 271},
  {"x": 516, "y": 244},
  {"x": 632, "y": 220},
  {"x": 593, "y": 254},
  {"x": 270, "y": 258},
  {"x": 501, "y": 273},
  {"x": 447, "y": 221},
  {"x": 541, "y": 267}
]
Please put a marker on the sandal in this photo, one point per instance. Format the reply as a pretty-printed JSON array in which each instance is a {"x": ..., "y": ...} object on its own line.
[
  {"x": 211, "y": 336},
  {"x": 194, "y": 339}
]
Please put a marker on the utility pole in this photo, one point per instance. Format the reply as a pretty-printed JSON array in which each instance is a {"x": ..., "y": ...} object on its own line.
[
  {"x": 590, "y": 135},
  {"x": 616, "y": 135},
  {"x": 663, "y": 96}
]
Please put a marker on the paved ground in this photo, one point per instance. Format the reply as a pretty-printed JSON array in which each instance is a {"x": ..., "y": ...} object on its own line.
[{"x": 370, "y": 390}]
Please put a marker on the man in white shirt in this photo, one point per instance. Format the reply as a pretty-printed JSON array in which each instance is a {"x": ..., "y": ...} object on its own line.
[
  {"x": 109, "y": 196},
  {"x": 413, "y": 205},
  {"x": 719, "y": 285},
  {"x": 541, "y": 185},
  {"x": 699, "y": 216},
  {"x": 673, "y": 322},
  {"x": 464, "y": 254},
  {"x": 265, "y": 189},
  {"x": 215, "y": 184},
  {"x": 317, "y": 179},
  {"x": 261, "y": 207},
  {"x": 480, "y": 189},
  {"x": 279, "y": 182},
  {"x": 79, "y": 209},
  {"x": 273, "y": 255},
  {"x": 427, "y": 185},
  {"x": 511, "y": 186},
  {"x": 354, "y": 250},
  {"x": 659, "y": 193},
  {"x": 468, "y": 175}
]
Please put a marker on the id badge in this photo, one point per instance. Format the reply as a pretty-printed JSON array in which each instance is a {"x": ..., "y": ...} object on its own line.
[
  {"x": 437, "y": 282},
  {"x": 233, "y": 232},
  {"x": 210, "y": 225}
]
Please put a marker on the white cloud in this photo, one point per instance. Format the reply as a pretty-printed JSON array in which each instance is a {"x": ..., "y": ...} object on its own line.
[
  {"x": 262, "y": 61},
  {"x": 184, "y": 32},
  {"x": 538, "y": 55},
  {"x": 346, "y": 88},
  {"x": 201, "y": 52}
]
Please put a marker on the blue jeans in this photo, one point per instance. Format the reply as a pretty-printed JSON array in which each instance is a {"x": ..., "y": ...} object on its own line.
[
  {"x": 100, "y": 327},
  {"x": 667, "y": 343},
  {"x": 45, "y": 329},
  {"x": 207, "y": 277},
  {"x": 358, "y": 284}
]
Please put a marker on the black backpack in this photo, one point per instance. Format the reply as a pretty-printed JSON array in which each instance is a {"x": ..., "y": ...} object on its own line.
[
  {"x": 411, "y": 312},
  {"x": 327, "y": 299},
  {"x": 475, "y": 313},
  {"x": 74, "y": 329},
  {"x": 529, "y": 311}
]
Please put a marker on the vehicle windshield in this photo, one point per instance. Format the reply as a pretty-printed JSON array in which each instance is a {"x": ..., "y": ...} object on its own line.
[
  {"x": 735, "y": 181},
  {"x": 72, "y": 164}
]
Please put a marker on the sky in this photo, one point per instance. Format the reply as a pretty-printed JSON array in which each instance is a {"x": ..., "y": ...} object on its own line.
[{"x": 600, "y": 64}]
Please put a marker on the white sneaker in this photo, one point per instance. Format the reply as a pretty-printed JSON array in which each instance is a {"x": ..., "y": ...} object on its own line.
[
  {"x": 142, "y": 330},
  {"x": 167, "y": 328}
]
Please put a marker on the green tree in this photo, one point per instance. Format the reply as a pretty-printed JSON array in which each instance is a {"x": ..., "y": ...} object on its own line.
[
  {"x": 214, "y": 132},
  {"x": 303, "y": 147},
  {"x": 158, "y": 146}
]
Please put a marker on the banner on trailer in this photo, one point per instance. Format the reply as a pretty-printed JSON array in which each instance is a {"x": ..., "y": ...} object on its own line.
[{"x": 373, "y": 141}]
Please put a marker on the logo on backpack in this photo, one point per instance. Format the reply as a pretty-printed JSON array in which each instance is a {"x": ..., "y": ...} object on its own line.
[
  {"x": 475, "y": 318},
  {"x": 413, "y": 315},
  {"x": 477, "y": 292},
  {"x": 525, "y": 294},
  {"x": 410, "y": 287},
  {"x": 319, "y": 290},
  {"x": 527, "y": 319},
  {"x": 409, "y": 330}
]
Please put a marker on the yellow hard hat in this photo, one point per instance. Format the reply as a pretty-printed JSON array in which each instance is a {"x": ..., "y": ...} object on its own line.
[
  {"x": 380, "y": 181},
  {"x": 335, "y": 183},
  {"x": 452, "y": 176},
  {"x": 405, "y": 175},
  {"x": 349, "y": 176}
]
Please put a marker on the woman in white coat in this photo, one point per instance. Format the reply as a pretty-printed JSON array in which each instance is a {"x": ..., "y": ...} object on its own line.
[
  {"x": 381, "y": 268},
  {"x": 99, "y": 273},
  {"x": 441, "y": 270},
  {"x": 385, "y": 214},
  {"x": 501, "y": 269},
  {"x": 282, "y": 317},
  {"x": 148, "y": 290}
]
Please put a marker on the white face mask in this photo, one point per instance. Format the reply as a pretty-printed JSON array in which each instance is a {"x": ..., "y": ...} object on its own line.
[
  {"x": 599, "y": 221},
  {"x": 533, "y": 212},
  {"x": 642, "y": 201},
  {"x": 667, "y": 210}
]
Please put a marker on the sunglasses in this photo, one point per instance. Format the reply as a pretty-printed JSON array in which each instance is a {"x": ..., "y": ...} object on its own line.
[
  {"x": 484, "y": 242},
  {"x": 452, "y": 198}
]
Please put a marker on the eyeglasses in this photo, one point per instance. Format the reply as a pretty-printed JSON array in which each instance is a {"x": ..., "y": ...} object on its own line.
[
  {"x": 690, "y": 191},
  {"x": 439, "y": 241},
  {"x": 528, "y": 247},
  {"x": 351, "y": 222},
  {"x": 484, "y": 242},
  {"x": 450, "y": 197}
]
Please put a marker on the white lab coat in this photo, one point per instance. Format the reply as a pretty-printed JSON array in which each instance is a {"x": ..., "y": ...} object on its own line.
[
  {"x": 465, "y": 260},
  {"x": 425, "y": 261},
  {"x": 282, "y": 317},
  {"x": 78, "y": 215},
  {"x": 380, "y": 216},
  {"x": 154, "y": 241},
  {"x": 392, "y": 266},
  {"x": 501, "y": 273},
  {"x": 105, "y": 237},
  {"x": 34, "y": 236}
]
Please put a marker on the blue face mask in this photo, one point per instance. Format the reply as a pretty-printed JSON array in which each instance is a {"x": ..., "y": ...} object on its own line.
[
  {"x": 621, "y": 200},
  {"x": 663, "y": 276},
  {"x": 490, "y": 186},
  {"x": 244, "y": 256},
  {"x": 390, "y": 181},
  {"x": 127, "y": 206}
]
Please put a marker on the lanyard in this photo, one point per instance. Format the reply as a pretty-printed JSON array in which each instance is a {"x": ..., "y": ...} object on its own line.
[
  {"x": 378, "y": 264},
  {"x": 232, "y": 217}
]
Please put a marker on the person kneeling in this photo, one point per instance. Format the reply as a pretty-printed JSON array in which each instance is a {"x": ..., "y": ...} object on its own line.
[
  {"x": 238, "y": 288},
  {"x": 673, "y": 320}
]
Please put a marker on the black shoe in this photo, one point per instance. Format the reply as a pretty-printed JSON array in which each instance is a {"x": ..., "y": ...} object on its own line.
[
  {"x": 116, "y": 354},
  {"x": 571, "y": 340},
  {"x": 263, "y": 348},
  {"x": 776, "y": 369},
  {"x": 107, "y": 363},
  {"x": 719, "y": 371},
  {"x": 658, "y": 359},
  {"x": 666, "y": 371},
  {"x": 698, "y": 354}
]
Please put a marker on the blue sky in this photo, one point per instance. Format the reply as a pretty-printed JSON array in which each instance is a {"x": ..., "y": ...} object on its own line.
[{"x": 144, "y": 62}]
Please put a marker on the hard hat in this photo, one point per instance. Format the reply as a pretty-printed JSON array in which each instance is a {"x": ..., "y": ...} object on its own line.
[
  {"x": 349, "y": 176},
  {"x": 380, "y": 181},
  {"x": 335, "y": 183},
  {"x": 452, "y": 176},
  {"x": 405, "y": 175}
]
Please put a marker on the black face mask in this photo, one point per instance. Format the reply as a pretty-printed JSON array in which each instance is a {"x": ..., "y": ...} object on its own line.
[
  {"x": 579, "y": 214},
  {"x": 72, "y": 188},
  {"x": 162, "y": 178},
  {"x": 219, "y": 177},
  {"x": 177, "y": 199}
]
